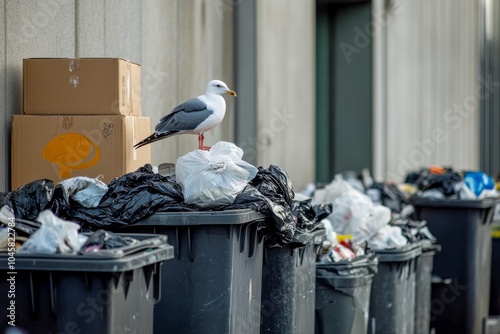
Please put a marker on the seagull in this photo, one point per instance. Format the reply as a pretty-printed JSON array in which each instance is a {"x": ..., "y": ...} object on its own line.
[{"x": 195, "y": 116}]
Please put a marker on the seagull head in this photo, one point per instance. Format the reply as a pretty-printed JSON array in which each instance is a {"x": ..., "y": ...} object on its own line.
[{"x": 218, "y": 87}]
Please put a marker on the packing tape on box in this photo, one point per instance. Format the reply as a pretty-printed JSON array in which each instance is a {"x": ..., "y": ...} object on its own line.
[
  {"x": 73, "y": 65},
  {"x": 134, "y": 133},
  {"x": 129, "y": 88}
]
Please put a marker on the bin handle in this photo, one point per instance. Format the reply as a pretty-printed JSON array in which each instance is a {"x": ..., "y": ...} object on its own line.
[
  {"x": 489, "y": 215},
  {"x": 157, "y": 282}
]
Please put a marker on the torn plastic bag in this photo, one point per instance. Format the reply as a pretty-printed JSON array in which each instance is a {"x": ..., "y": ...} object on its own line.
[
  {"x": 54, "y": 236},
  {"x": 102, "y": 239},
  {"x": 215, "y": 177},
  {"x": 84, "y": 190},
  {"x": 130, "y": 198}
]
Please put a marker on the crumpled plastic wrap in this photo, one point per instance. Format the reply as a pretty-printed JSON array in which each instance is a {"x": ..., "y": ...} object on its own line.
[
  {"x": 215, "y": 177},
  {"x": 84, "y": 190},
  {"x": 353, "y": 213},
  {"x": 388, "y": 237},
  {"x": 331, "y": 191},
  {"x": 54, "y": 236}
]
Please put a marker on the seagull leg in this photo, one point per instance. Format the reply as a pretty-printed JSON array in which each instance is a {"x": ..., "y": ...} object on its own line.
[{"x": 201, "y": 137}]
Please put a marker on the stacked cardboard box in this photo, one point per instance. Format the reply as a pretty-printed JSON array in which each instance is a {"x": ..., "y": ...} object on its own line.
[{"x": 81, "y": 118}]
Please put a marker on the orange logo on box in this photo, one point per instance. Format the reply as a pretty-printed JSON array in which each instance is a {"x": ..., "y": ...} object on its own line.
[{"x": 71, "y": 151}]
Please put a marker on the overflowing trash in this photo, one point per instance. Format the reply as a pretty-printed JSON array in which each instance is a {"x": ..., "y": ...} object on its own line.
[
  {"x": 49, "y": 234},
  {"x": 445, "y": 183},
  {"x": 355, "y": 214},
  {"x": 376, "y": 214},
  {"x": 55, "y": 235},
  {"x": 217, "y": 181}
]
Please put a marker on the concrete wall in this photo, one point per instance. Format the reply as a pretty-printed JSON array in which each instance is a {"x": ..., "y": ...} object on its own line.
[
  {"x": 285, "y": 87},
  {"x": 181, "y": 45},
  {"x": 427, "y": 85}
]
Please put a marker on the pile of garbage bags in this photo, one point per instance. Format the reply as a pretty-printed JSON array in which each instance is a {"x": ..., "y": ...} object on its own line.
[
  {"x": 447, "y": 183},
  {"x": 378, "y": 214},
  {"x": 355, "y": 214},
  {"x": 49, "y": 234},
  {"x": 215, "y": 180}
]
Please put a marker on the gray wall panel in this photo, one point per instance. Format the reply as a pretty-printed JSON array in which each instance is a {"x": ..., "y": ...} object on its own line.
[{"x": 33, "y": 29}]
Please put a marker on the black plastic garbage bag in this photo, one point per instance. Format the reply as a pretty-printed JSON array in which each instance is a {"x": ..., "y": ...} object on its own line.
[
  {"x": 442, "y": 182},
  {"x": 390, "y": 196},
  {"x": 29, "y": 200},
  {"x": 130, "y": 198},
  {"x": 309, "y": 215},
  {"x": 137, "y": 195},
  {"x": 308, "y": 220},
  {"x": 102, "y": 239},
  {"x": 270, "y": 193}
]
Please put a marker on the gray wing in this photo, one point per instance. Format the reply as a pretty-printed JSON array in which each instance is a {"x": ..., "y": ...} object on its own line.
[{"x": 186, "y": 116}]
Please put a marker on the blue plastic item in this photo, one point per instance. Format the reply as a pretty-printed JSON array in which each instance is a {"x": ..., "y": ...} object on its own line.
[{"x": 478, "y": 181}]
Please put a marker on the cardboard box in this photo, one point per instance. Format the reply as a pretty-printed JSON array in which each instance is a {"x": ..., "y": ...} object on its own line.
[
  {"x": 82, "y": 86},
  {"x": 60, "y": 147}
]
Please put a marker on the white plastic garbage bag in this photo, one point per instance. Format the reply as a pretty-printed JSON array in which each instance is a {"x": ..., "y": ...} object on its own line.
[
  {"x": 54, "y": 236},
  {"x": 331, "y": 191},
  {"x": 84, "y": 190},
  {"x": 215, "y": 177},
  {"x": 354, "y": 213},
  {"x": 388, "y": 237}
]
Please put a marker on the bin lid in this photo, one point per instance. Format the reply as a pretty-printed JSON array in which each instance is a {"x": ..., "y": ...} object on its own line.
[
  {"x": 402, "y": 254},
  {"x": 149, "y": 250},
  {"x": 186, "y": 218},
  {"x": 486, "y": 203},
  {"x": 428, "y": 246}
]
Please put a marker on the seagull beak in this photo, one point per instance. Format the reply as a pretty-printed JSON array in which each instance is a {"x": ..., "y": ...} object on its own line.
[{"x": 231, "y": 92}]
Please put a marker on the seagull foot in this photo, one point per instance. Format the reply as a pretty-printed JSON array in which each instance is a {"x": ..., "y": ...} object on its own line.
[{"x": 205, "y": 148}]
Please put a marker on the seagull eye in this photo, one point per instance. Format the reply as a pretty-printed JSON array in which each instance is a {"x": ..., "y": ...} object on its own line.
[{"x": 218, "y": 85}]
